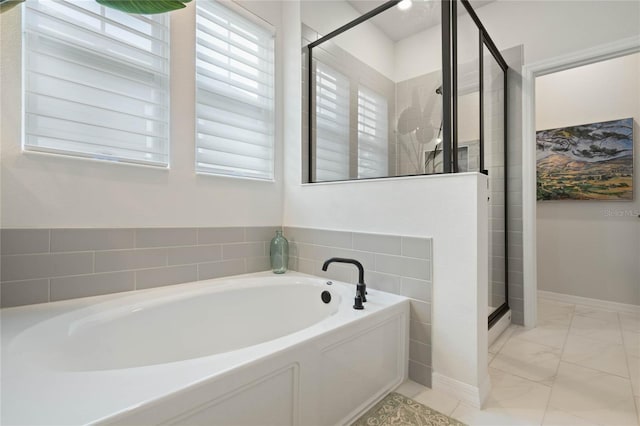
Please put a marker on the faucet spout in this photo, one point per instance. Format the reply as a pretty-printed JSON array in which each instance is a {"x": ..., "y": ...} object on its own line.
[
  {"x": 361, "y": 288},
  {"x": 345, "y": 260}
]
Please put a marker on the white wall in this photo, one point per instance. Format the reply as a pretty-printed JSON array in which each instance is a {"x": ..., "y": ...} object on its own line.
[
  {"x": 418, "y": 54},
  {"x": 550, "y": 28},
  {"x": 584, "y": 248},
  {"x": 52, "y": 191},
  {"x": 366, "y": 41}
]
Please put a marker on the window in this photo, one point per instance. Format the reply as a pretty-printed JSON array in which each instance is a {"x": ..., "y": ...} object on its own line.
[
  {"x": 96, "y": 82},
  {"x": 234, "y": 93},
  {"x": 332, "y": 124},
  {"x": 373, "y": 134}
]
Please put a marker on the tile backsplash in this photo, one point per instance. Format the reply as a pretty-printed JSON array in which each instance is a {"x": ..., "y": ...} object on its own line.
[
  {"x": 396, "y": 264},
  {"x": 46, "y": 265}
]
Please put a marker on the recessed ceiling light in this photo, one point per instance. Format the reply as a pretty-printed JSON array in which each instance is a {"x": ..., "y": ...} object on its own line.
[{"x": 404, "y": 4}]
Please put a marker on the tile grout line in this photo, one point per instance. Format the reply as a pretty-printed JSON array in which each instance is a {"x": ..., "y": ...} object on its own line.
[{"x": 546, "y": 409}]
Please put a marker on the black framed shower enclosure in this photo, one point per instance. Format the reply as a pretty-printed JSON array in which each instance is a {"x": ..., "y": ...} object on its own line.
[{"x": 450, "y": 117}]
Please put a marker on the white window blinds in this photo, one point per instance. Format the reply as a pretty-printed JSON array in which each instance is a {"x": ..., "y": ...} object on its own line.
[
  {"x": 332, "y": 124},
  {"x": 373, "y": 134},
  {"x": 96, "y": 82},
  {"x": 234, "y": 93}
]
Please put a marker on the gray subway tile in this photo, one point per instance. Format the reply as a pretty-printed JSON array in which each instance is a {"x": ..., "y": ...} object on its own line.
[
  {"x": 91, "y": 239},
  {"x": 420, "y": 352},
  {"x": 403, "y": 266},
  {"x": 195, "y": 254},
  {"x": 416, "y": 289},
  {"x": 378, "y": 243},
  {"x": 416, "y": 247},
  {"x": 293, "y": 264},
  {"x": 383, "y": 282},
  {"x": 91, "y": 285},
  {"x": 260, "y": 233},
  {"x": 517, "y": 317},
  {"x": 30, "y": 266},
  {"x": 221, "y": 269},
  {"x": 220, "y": 235},
  {"x": 166, "y": 237},
  {"x": 420, "y": 373},
  {"x": 24, "y": 241},
  {"x": 420, "y": 331},
  {"x": 18, "y": 293},
  {"x": 322, "y": 253},
  {"x": 241, "y": 250},
  {"x": 321, "y": 237},
  {"x": 259, "y": 264},
  {"x": 420, "y": 311},
  {"x": 307, "y": 266},
  {"x": 122, "y": 260},
  {"x": 149, "y": 278}
]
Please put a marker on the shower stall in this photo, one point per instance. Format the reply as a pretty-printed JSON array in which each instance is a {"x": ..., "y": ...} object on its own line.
[{"x": 411, "y": 89}]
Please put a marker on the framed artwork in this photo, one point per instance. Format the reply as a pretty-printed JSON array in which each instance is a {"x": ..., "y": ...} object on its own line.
[{"x": 586, "y": 162}]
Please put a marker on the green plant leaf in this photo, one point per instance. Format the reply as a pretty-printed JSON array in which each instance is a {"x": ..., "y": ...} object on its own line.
[
  {"x": 8, "y": 4},
  {"x": 144, "y": 7}
]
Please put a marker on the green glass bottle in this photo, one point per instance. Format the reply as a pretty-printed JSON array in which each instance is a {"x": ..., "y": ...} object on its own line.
[{"x": 279, "y": 253}]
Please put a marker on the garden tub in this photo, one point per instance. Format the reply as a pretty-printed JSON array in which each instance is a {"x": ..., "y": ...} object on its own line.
[{"x": 256, "y": 349}]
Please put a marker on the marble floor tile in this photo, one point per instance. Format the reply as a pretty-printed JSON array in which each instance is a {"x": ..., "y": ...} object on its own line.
[
  {"x": 548, "y": 334},
  {"x": 601, "y": 314},
  {"x": 595, "y": 354},
  {"x": 631, "y": 342},
  {"x": 502, "y": 339},
  {"x": 512, "y": 401},
  {"x": 593, "y": 396},
  {"x": 439, "y": 401},
  {"x": 630, "y": 322},
  {"x": 596, "y": 329},
  {"x": 550, "y": 311},
  {"x": 410, "y": 388},
  {"x": 634, "y": 373},
  {"x": 554, "y": 417},
  {"x": 529, "y": 360}
]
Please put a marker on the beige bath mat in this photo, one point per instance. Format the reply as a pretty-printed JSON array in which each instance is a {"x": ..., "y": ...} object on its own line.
[{"x": 398, "y": 410}]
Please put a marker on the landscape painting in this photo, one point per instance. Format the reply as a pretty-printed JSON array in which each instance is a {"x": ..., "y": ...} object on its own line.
[{"x": 586, "y": 162}]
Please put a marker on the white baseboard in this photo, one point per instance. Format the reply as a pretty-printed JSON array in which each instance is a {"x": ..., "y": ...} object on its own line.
[
  {"x": 473, "y": 395},
  {"x": 499, "y": 327},
  {"x": 594, "y": 303}
]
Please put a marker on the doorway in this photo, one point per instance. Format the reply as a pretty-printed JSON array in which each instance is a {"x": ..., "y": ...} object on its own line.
[{"x": 530, "y": 75}]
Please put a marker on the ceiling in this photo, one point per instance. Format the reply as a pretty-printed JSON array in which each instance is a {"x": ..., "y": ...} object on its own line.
[{"x": 398, "y": 24}]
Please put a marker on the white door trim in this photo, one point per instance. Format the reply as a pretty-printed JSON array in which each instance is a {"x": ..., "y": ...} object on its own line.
[{"x": 529, "y": 73}]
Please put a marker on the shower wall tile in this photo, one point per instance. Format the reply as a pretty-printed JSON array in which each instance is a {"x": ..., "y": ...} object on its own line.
[
  {"x": 393, "y": 263},
  {"x": 46, "y": 265}
]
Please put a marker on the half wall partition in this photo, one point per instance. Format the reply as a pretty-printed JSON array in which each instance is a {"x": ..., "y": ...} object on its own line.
[{"x": 403, "y": 92}]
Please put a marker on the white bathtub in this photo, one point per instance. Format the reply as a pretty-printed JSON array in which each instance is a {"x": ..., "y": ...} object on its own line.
[{"x": 257, "y": 349}]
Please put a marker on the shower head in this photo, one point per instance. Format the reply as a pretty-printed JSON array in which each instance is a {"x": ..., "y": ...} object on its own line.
[{"x": 439, "y": 90}]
